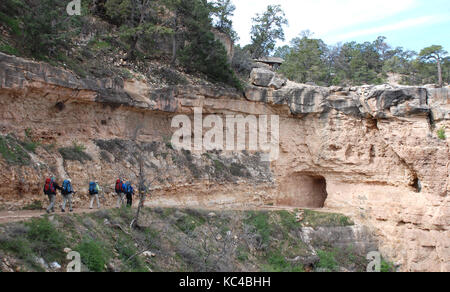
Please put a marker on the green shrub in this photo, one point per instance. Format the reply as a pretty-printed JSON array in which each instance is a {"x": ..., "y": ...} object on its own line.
[
  {"x": 11, "y": 23},
  {"x": 46, "y": 240},
  {"x": 30, "y": 146},
  {"x": 238, "y": 169},
  {"x": 13, "y": 152},
  {"x": 93, "y": 255},
  {"x": 327, "y": 261},
  {"x": 219, "y": 166},
  {"x": 29, "y": 143},
  {"x": 7, "y": 49},
  {"x": 288, "y": 220},
  {"x": 241, "y": 254},
  {"x": 260, "y": 221},
  {"x": 18, "y": 246},
  {"x": 313, "y": 218},
  {"x": 128, "y": 255},
  {"x": 441, "y": 133},
  {"x": 387, "y": 267},
  {"x": 75, "y": 153},
  {"x": 189, "y": 223},
  {"x": 99, "y": 45},
  {"x": 278, "y": 263}
]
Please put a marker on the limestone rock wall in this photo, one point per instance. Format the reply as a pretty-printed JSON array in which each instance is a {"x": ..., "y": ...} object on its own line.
[{"x": 371, "y": 152}]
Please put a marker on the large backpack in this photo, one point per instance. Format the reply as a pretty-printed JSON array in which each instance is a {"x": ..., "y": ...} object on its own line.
[
  {"x": 93, "y": 188},
  {"x": 67, "y": 187},
  {"x": 49, "y": 187},
  {"x": 128, "y": 188},
  {"x": 119, "y": 186}
]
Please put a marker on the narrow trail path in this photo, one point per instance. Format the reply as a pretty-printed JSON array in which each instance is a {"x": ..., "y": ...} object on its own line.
[{"x": 23, "y": 215}]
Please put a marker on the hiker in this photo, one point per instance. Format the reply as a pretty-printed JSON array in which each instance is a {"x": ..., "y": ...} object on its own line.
[
  {"x": 50, "y": 188},
  {"x": 120, "y": 193},
  {"x": 67, "y": 192},
  {"x": 94, "y": 190},
  {"x": 129, "y": 191}
]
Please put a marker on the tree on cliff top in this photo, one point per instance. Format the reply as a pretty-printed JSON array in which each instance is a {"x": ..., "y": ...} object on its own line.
[
  {"x": 305, "y": 60},
  {"x": 136, "y": 19},
  {"x": 202, "y": 52},
  {"x": 434, "y": 54},
  {"x": 222, "y": 11},
  {"x": 267, "y": 29}
]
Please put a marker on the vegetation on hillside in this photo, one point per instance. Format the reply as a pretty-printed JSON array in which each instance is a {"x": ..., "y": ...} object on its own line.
[
  {"x": 311, "y": 60},
  {"x": 143, "y": 29},
  {"x": 178, "y": 240}
]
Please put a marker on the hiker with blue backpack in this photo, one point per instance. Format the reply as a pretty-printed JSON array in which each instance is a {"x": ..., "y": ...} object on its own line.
[
  {"x": 129, "y": 192},
  {"x": 50, "y": 188},
  {"x": 67, "y": 192},
  {"x": 94, "y": 190}
]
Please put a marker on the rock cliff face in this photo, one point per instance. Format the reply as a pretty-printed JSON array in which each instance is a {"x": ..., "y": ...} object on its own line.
[{"x": 370, "y": 152}]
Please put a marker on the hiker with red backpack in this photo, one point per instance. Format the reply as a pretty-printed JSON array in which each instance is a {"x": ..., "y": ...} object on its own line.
[
  {"x": 120, "y": 193},
  {"x": 50, "y": 188}
]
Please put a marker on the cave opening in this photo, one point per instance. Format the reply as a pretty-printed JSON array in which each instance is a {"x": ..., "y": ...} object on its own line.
[{"x": 303, "y": 191}]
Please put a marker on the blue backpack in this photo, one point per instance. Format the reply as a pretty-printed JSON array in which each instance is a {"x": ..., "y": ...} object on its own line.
[
  {"x": 129, "y": 188},
  {"x": 93, "y": 189},
  {"x": 67, "y": 187}
]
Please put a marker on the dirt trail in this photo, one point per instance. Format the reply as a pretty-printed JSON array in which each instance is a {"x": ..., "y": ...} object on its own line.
[{"x": 23, "y": 215}]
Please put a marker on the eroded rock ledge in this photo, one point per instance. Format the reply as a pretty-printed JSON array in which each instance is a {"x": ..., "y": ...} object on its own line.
[{"x": 371, "y": 152}]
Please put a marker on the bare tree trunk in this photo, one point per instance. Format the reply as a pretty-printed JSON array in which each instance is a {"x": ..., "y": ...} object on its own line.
[
  {"x": 174, "y": 49},
  {"x": 440, "y": 82},
  {"x": 174, "y": 40},
  {"x": 141, "y": 183},
  {"x": 141, "y": 189}
]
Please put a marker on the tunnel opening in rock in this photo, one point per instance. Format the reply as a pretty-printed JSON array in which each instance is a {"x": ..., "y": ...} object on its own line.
[{"x": 303, "y": 191}]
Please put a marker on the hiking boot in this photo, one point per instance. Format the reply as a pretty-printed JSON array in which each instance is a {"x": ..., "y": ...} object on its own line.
[
  {"x": 48, "y": 212},
  {"x": 62, "y": 210},
  {"x": 71, "y": 211}
]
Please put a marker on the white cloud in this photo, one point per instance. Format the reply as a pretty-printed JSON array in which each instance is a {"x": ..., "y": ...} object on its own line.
[
  {"x": 323, "y": 17},
  {"x": 409, "y": 23}
]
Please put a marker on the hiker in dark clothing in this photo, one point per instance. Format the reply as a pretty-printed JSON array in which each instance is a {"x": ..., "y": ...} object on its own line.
[
  {"x": 50, "y": 188},
  {"x": 129, "y": 191}
]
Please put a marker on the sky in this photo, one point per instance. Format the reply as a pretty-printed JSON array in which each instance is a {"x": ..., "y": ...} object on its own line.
[{"x": 411, "y": 24}]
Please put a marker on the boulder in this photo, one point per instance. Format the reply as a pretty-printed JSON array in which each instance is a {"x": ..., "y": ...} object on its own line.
[
  {"x": 261, "y": 77},
  {"x": 264, "y": 77}
]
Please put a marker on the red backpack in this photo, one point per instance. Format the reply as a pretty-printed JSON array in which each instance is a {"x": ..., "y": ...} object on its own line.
[
  {"x": 119, "y": 186},
  {"x": 49, "y": 188}
]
